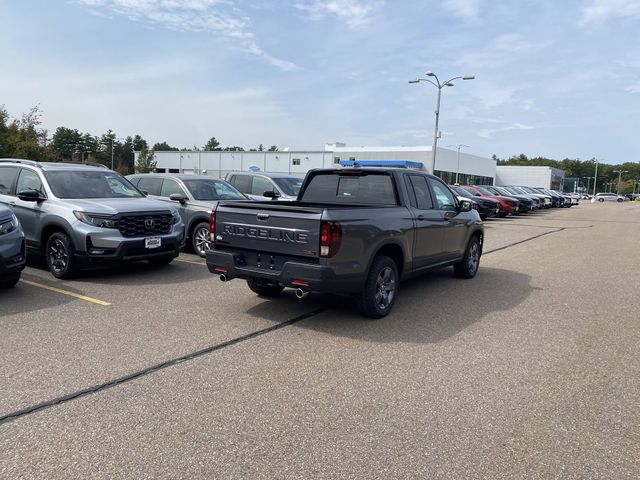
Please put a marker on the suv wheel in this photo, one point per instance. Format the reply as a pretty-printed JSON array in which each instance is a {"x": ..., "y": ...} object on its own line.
[
  {"x": 9, "y": 282},
  {"x": 468, "y": 266},
  {"x": 59, "y": 255},
  {"x": 620, "y": 200},
  {"x": 200, "y": 239},
  {"x": 263, "y": 288},
  {"x": 380, "y": 288},
  {"x": 601, "y": 199}
]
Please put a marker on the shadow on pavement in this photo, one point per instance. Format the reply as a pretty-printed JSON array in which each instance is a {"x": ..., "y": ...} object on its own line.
[
  {"x": 24, "y": 298},
  {"x": 429, "y": 309},
  {"x": 138, "y": 273}
]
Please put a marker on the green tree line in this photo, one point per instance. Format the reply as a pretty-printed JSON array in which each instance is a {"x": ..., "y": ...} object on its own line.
[
  {"x": 25, "y": 137},
  {"x": 581, "y": 169}
]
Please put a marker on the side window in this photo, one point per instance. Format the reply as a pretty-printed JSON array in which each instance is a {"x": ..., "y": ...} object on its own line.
[
  {"x": 170, "y": 187},
  {"x": 151, "y": 185},
  {"x": 261, "y": 185},
  {"x": 134, "y": 180},
  {"x": 421, "y": 191},
  {"x": 29, "y": 180},
  {"x": 7, "y": 178},
  {"x": 242, "y": 183},
  {"x": 444, "y": 197}
]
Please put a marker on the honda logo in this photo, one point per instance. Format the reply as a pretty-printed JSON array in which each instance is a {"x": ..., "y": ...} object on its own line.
[{"x": 149, "y": 223}]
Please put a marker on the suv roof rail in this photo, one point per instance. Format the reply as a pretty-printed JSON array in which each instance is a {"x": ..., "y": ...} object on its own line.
[
  {"x": 88, "y": 164},
  {"x": 19, "y": 160}
]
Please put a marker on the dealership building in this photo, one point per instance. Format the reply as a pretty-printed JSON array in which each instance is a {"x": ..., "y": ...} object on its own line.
[
  {"x": 473, "y": 169},
  {"x": 544, "y": 177}
]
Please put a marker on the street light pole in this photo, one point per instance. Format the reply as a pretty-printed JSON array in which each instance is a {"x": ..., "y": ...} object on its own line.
[
  {"x": 620, "y": 172},
  {"x": 595, "y": 178},
  {"x": 458, "y": 168},
  {"x": 436, "y": 134}
]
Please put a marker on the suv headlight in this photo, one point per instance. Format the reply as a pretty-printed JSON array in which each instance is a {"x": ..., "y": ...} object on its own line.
[
  {"x": 175, "y": 217},
  {"x": 101, "y": 221},
  {"x": 9, "y": 226}
]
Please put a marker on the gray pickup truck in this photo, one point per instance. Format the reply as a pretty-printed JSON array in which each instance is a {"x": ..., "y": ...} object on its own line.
[{"x": 356, "y": 231}]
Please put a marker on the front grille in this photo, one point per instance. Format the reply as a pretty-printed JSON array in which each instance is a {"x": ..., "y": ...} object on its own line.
[{"x": 144, "y": 225}]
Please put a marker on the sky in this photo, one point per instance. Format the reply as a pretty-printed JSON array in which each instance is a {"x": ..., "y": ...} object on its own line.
[{"x": 554, "y": 79}]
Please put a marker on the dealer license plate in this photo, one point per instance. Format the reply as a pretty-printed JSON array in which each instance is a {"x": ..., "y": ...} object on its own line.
[{"x": 152, "y": 242}]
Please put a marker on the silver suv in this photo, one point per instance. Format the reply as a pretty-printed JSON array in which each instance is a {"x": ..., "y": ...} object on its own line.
[
  {"x": 78, "y": 215},
  {"x": 265, "y": 186},
  {"x": 194, "y": 196}
]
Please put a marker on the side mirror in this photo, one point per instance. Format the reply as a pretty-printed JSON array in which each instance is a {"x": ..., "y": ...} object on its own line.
[
  {"x": 30, "y": 196},
  {"x": 465, "y": 206},
  {"x": 272, "y": 194},
  {"x": 178, "y": 197}
]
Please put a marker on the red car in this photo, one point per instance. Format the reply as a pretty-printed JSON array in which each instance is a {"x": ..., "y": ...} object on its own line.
[{"x": 508, "y": 205}]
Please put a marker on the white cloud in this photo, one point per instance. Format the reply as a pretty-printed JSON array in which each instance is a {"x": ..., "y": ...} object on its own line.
[
  {"x": 599, "y": 11},
  {"x": 219, "y": 17},
  {"x": 634, "y": 88},
  {"x": 503, "y": 48},
  {"x": 490, "y": 132},
  {"x": 465, "y": 9},
  {"x": 355, "y": 13}
]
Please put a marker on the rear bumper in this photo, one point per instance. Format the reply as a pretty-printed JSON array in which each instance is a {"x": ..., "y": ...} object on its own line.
[{"x": 294, "y": 274}]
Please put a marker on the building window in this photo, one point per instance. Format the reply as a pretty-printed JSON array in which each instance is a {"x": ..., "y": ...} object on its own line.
[
  {"x": 352, "y": 159},
  {"x": 295, "y": 161},
  {"x": 174, "y": 170},
  {"x": 336, "y": 160}
]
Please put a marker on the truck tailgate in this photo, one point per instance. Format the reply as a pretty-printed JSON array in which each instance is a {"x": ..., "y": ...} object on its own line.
[{"x": 269, "y": 227}]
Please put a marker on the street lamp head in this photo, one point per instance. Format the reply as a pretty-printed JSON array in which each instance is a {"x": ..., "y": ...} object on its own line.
[
  {"x": 414, "y": 81},
  {"x": 468, "y": 77},
  {"x": 430, "y": 74},
  {"x": 448, "y": 84}
]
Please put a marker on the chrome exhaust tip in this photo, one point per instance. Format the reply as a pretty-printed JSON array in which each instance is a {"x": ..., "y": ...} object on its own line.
[
  {"x": 300, "y": 293},
  {"x": 223, "y": 277}
]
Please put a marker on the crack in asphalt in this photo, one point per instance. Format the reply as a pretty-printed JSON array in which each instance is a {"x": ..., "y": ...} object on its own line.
[
  {"x": 523, "y": 241},
  {"x": 154, "y": 368}
]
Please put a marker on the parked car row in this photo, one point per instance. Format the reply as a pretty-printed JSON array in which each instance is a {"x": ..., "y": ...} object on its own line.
[{"x": 492, "y": 201}]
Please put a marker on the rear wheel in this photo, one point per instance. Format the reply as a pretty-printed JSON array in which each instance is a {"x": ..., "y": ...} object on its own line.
[
  {"x": 59, "y": 255},
  {"x": 200, "y": 239},
  {"x": 380, "y": 288},
  {"x": 601, "y": 199},
  {"x": 9, "y": 282},
  {"x": 620, "y": 200},
  {"x": 264, "y": 288},
  {"x": 468, "y": 266}
]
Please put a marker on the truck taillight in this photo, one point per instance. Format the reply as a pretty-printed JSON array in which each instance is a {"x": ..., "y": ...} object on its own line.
[
  {"x": 212, "y": 227},
  {"x": 330, "y": 238}
]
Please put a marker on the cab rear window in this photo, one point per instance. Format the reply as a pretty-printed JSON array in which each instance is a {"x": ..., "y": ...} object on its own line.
[{"x": 351, "y": 189}]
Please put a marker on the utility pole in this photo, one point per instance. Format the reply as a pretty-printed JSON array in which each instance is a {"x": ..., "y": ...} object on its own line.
[{"x": 620, "y": 172}]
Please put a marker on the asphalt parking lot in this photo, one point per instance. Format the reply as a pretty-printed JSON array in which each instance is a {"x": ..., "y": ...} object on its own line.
[{"x": 531, "y": 370}]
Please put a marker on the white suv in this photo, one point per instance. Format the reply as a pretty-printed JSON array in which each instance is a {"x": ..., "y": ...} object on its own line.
[{"x": 609, "y": 197}]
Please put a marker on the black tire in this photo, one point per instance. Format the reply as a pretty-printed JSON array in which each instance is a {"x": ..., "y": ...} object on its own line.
[
  {"x": 59, "y": 256},
  {"x": 200, "y": 239},
  {"x": 502, "y": 214},
  {"x": 9, "y": 282},
  {"x": 468, "y": 266},
  {"x": 620, "y": 200},
  {"x": 380, "y": 289},
  {"x": 601, "y": 199},
  {"x": 160, "y": 261},
  {"x": 264, "y": 288}
]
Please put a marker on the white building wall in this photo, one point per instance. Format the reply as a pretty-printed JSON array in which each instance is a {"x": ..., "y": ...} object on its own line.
[
  {"x": 218, "y": 164},
  {"x": 543, "y": 177}
]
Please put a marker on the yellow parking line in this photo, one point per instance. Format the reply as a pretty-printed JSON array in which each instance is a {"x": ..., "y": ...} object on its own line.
[
  {"x": 66, "y": 292},
  {"x": 190, "y": 261}
]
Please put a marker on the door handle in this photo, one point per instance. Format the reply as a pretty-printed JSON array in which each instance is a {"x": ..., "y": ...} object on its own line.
[
  {"x": 13, "y": 204},
  {"x": 420, "y": 217}
]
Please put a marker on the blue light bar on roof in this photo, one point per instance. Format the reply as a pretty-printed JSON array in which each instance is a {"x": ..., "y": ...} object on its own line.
[{"x": 381, "y": 163}]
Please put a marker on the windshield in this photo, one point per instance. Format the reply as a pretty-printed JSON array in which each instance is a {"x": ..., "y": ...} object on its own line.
[
  {"x": 290, "y": 186},
  {"x": 90, "y": 184},
  {"x": 484, "y": 191},
  {"x": 460, "y": 191},
  {"x": 208, "y": 190}
]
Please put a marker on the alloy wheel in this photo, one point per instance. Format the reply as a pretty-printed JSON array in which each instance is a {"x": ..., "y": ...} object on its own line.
[
  {"x": 385, "y": 288},
  {"x": 58, "y": 256}
]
